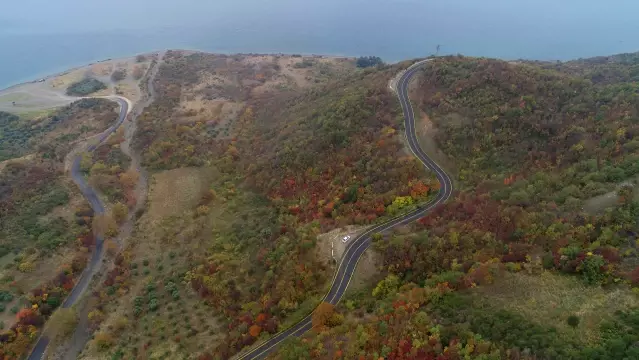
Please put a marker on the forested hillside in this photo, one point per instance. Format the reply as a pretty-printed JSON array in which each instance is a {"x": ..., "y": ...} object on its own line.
[
  {"x": 531, "y": 259},
  {"x": 251, "y": 158},
  {"x": 45, "y": 226}
]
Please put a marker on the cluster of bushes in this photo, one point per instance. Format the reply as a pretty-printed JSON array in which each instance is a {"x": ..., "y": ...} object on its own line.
[
  {"x": 151, "y": 302},
  {"x": 85, "y": 87},
  {"x": 369, "y": 61},
  {"x": 5, "y": 297},
  {"x": 172, "y": 289},
  {"x": 118, "y": 75},
  {"x": 306, "y": 63}
]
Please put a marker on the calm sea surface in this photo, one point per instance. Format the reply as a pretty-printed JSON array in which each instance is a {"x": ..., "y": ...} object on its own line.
[{"x": 391, "y": 29}]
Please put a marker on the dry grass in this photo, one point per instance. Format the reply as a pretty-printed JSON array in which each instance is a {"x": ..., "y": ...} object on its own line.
[
  {"x": 15, "y": 96},
  {"x": 26, "y": 158},
  {"x": 102, "y": 69},
  {"x": 175, "y": 191},
  {"x": 129, "y": 90},
  {"x": 233, "y": 81},
  {"x": 549, "y": 299},
  {"x": 64, "y": 80},
  {"x": 366, "y": 274}
]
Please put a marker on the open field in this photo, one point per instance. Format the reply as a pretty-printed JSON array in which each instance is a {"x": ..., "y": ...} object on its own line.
[{"x": 549, "y": 299}]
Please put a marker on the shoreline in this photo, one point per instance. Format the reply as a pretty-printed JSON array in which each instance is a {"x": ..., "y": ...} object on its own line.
[
  {"x": 77, "y": 67},
  {"x": 56, "y": 74}
]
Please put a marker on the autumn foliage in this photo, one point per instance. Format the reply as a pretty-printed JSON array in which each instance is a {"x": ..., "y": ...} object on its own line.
[{"x": 322, "y": 315}]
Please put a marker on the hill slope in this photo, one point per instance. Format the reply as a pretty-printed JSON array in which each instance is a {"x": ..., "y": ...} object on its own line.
[
  {"x": 495, "y": 273},
  {"x": 252, "y": 157}
]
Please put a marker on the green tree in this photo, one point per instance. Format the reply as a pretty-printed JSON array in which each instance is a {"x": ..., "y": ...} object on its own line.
[
  {"x": 592, "y": 269},
  {"x": 573, "y": 321},
  {"x": 398, "y": 204},
  {"x": 386, "y": 287},
  {"x": 368, "y": 61},
  {"x": 294, "y": 349},
  {"x": 120, "y": 212}
]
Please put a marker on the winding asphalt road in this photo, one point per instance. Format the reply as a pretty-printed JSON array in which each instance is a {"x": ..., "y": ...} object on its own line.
[
  {"x": 351, "y": 256},
  {"x": 98, "y": 208}
]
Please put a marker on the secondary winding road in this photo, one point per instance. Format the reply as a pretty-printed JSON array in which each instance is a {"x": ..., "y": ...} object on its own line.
[
  {"x": 357, "y": 247},
  {"x": 98, "y": 208}
]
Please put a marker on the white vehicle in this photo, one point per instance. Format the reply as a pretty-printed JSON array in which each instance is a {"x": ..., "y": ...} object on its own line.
[{"x": 346, "y": 238}]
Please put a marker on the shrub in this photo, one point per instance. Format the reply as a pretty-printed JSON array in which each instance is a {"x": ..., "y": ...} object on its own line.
[
  {"x": 592, "y": 269},
  {"x": 548, "y": 261},
  {"x": 53, "y": 301},
  {"x": 118, "y": 75},
  {"x": 573, "y": 321},
  {"x": 120, "y": 212},
  {"x": 103, "y": 341},
  {"x": 5, "y": 296},
  {"x": 386, "y": 287},
  {"x": 202, "y": 210},
  {"x": 153, "y": 304},
  {"x": 26, "y": 267}
]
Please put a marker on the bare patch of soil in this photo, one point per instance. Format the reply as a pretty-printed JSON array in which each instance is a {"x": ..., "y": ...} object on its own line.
[{"x": 335, "y": 238}]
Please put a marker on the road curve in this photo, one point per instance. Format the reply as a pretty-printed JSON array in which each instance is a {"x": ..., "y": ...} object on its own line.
[
  {"x": 98, "y": 208},
  {"x": 357, "y": 247}
]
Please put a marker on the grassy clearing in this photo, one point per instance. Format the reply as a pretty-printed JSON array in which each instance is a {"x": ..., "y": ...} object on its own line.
[
  {"x": 175, "y": 191},
  {"x": 548, "y": 299},
  {"x": 597, "y": 204},
  {"x": 34, "y": 114},
  {"x": 16, "y": 96}
]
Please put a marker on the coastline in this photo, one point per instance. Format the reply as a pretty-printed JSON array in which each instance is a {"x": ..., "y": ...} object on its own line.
[
  {"x": 75, "y": 67},
  {"x": 53, "y": 75}
]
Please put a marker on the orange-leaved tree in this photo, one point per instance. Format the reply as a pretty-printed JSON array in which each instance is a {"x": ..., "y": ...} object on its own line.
[
  {"x": 322, "y": 314},
  {"x": 255, "y": 331}
]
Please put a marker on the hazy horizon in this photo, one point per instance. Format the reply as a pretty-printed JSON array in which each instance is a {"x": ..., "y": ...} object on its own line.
[{"x": 45, "y": 37}]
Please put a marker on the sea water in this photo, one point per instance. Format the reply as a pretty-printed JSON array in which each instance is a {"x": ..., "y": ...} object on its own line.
[{"x": 39, "y": 37}]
